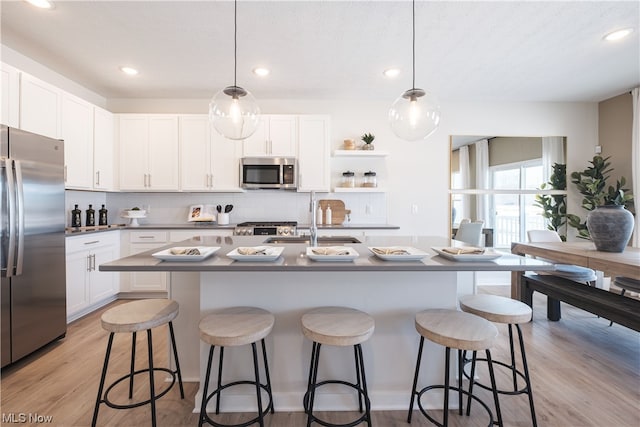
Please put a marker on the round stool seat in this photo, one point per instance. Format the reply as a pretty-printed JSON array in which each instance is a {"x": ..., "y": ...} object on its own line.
[
  {"x": 338, "y": 326},
  {"x": 456, "y": 329},
  {"x": 574, "y": 272},
  {"x": 139, "y": 315},
  {"x": 235, "y": 326},
  {"x": 496, "y": 308},
  {"x": 627, "y": 283}
]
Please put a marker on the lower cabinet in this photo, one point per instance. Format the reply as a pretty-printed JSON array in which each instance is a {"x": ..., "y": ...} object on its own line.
[
  {"x": 87, "y": 287},
  {"x": 141, "y": 241}
]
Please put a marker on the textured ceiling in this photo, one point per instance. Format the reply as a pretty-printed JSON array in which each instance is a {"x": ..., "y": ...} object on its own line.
[{"x": 510, "y": 51}]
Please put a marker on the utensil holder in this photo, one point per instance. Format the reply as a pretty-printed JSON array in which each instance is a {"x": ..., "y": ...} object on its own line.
[{"x": 223, "y": 218}]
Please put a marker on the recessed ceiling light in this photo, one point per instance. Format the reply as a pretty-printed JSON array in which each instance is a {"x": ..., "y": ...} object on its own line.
[
  {"x": 129, "y": 71},
  {"x": 42, "y": 4},
  {"x": 618, "y": 34},
  {"x": 391, "y": 73},
  {"x": 260, "y": 71}
]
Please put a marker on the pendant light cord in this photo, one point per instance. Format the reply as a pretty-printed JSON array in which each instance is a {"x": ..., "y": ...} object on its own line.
[
  {"x": 414, "y": 45},
  {"x": 235, "y": 41}
]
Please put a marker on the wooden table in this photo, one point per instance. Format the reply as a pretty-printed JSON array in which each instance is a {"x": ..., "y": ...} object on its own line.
[{"x": 584, "y": 254}]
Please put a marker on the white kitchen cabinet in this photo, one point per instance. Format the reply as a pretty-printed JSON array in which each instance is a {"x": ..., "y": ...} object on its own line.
[
  {"x": 40, "y": 106},
  {"x": 141, "y": 241},
  {"x": 10, "y": 95},
  {"x": 77, "y": 133},
  {"x": 103, "y": 150},
  {"x": 209, "y": 162},
  {"x": 149, "y": 152},
  {"x": 87, "y": 287},
  {"x": 313, "y": 153},
  {"x": 276, "y": 136}
]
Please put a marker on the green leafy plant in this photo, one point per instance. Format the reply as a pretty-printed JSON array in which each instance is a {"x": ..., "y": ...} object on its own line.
[
  {"x": 592, "y": 184},
  {"x": 368, "y": 138},
  {"x": 554, "y": 206}
]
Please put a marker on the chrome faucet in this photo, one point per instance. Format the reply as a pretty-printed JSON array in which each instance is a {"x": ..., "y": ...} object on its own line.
[{"x": 313, "y": 230}]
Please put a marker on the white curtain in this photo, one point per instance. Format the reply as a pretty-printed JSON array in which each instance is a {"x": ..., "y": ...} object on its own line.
[
  {"x": 482, "y": 181},
  {"x": 552, "y": 152},
  {"x": 465, "y": 181},
  {"x": 635, "y": 163}
]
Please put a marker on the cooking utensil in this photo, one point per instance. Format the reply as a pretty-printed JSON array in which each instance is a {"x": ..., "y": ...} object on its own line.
[
  {"x": 219, "y": 209},
  {"x": 228, "y": 208}
]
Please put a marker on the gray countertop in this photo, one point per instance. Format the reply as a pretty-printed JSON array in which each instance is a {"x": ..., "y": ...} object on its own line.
[{"x": 294, "y": 258}]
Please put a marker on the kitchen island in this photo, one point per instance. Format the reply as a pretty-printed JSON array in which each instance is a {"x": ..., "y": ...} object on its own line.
[{"x": 391, "y": 291}]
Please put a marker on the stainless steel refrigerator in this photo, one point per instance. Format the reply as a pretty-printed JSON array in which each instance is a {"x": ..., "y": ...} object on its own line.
[{"x": 32, "y": 251}]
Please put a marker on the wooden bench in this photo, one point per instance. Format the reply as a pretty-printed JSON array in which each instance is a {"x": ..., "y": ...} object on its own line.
[{"x": 617, "y": 308}]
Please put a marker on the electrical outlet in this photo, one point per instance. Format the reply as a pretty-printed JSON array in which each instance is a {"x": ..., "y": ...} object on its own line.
[
  {"x": 367, "y": 209},
  {"x": 147, "y": 208},
  {"x": 414, "y": 209},
  {"x": 598, "y": 149}
]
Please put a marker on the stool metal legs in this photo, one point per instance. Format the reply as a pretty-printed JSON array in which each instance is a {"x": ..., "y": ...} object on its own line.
[
  {"x": 103, "y": 395},
  {"x": 360, "y": 386},
  {"x": 206, "y": 396}
]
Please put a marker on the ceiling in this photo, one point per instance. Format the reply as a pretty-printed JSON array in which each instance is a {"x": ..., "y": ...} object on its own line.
[{"x": 465, "y": 51}]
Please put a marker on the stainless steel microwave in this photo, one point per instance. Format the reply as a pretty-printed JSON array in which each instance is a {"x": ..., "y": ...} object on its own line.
[{"x": 269, "y": 173}]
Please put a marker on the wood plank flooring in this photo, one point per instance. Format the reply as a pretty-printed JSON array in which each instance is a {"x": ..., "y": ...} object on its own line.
[{"x": 584, "y": 373}]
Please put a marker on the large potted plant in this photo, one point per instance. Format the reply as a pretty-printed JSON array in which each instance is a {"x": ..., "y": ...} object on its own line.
[
  {"x": 609, "y": 228},
  {"x": 554, "y": 206}
]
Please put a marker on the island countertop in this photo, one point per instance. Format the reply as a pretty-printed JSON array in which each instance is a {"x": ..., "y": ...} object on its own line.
[{"x": 294, "y": 258}]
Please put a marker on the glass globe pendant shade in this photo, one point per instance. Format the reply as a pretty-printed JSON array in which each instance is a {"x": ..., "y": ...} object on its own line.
[
  {"x": 414, "y": 115},
  {"x": 234, "y": 113}
]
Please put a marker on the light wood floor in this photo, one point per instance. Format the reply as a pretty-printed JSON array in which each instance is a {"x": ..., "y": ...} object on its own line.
[{"x": 584, "y": 373}]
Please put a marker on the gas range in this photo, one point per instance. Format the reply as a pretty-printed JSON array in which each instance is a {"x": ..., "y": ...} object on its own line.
[{"x": 266, "y": 228}]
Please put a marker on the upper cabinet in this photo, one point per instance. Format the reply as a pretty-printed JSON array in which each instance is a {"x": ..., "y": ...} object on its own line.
[
  {"x": 275, "y": 136},
  {"x": 208, "y": 161},
  {"x": 103, "y": 149},
  {"x": 313, "y": 153},
  {"x": 40, "y": 106},
  {"x": 10, "y": 94},
  {"x": 148, "y": 152},
  {"x": 77, "y": 133}
]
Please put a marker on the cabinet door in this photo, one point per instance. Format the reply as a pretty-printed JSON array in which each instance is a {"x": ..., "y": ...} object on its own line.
[
  {"x": 282, "y": 136},
  {"x": 313, "y": 153},
  {"x": 163, "y": 152},
  {"x": 39, "y": 106},
  {"x": 77, "y": 132},
  {"x": 225, "y": 164},
  {"x": 256, "y": 144},
  {"x": 145, "y": 282},
  {"x": 195, "y": 153},
  {"x": 10, "y": 94},
  {"x": 133, "y": 141},
  {"x": 77, "y": 264},
  {"x": 103, "y": 284},
  {"x": 103, "y": 149}
]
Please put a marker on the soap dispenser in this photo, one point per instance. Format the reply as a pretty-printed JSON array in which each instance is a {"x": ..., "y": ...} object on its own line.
[
  {"x": 319, "y": 215},
  {"x": 327, "y": 215}
]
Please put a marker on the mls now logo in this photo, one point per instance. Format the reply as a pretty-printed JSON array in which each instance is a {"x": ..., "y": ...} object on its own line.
[{"x": 22, "y": 417}]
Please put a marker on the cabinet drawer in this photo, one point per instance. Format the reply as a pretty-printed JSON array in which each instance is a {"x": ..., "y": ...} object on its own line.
[
  {"x": 148, "y": 236},
  {"x": 94, "y": 240}
]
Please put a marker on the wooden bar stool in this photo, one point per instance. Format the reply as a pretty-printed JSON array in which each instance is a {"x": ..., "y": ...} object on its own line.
[
  {"x": 342, "y": 327},
  {"x": 133, "y": 317},
  {"x": 232, "y": 327},
  {"x": 507, "y": 311},
  {"x": 462, "y": 331}
]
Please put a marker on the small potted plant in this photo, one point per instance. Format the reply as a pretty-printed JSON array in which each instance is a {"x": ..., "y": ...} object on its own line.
[{"x": 368, "y": 141}]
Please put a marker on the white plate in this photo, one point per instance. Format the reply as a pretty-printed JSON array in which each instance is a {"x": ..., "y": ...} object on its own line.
[
  {"x": 412, "y": 254},
  {"x": 487, "y": 255},
  {"x": 205, "y": 252},
  {"x": 271, "y": 253},
  {"x": 350, "y": 254}
]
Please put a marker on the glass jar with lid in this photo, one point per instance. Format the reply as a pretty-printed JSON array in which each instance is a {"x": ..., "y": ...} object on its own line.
[
  {"x": 370, "y": 180},
  {"x": 348, "y": 179}
]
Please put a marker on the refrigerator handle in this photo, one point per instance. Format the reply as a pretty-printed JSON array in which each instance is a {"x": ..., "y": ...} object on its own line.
[
  {"x": 7, "y": 165},
  {"x": 20, "y": 216}
]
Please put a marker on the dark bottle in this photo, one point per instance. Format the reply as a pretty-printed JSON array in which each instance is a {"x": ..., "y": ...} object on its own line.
[
  {"x": 91, "y": 217},
  {"x": 76, "y": 217},
  {"x": 102, "y": 216}
]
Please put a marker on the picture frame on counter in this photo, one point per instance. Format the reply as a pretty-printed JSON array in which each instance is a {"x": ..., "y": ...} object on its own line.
[{"x": 201, "y": 213}]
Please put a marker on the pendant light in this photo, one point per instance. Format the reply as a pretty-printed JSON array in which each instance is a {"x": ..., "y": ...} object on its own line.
[
  {"x": 233, "y": 111},
  {"x": 416, "y": 113}
]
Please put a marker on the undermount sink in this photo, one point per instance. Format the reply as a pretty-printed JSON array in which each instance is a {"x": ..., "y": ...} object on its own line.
[{"x": 325, "y": 240}]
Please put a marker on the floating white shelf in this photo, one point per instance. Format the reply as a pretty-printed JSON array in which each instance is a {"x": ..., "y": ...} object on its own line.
[
  {"x": 359, "y": 190},
  {"x": 360, "y": 153}
]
